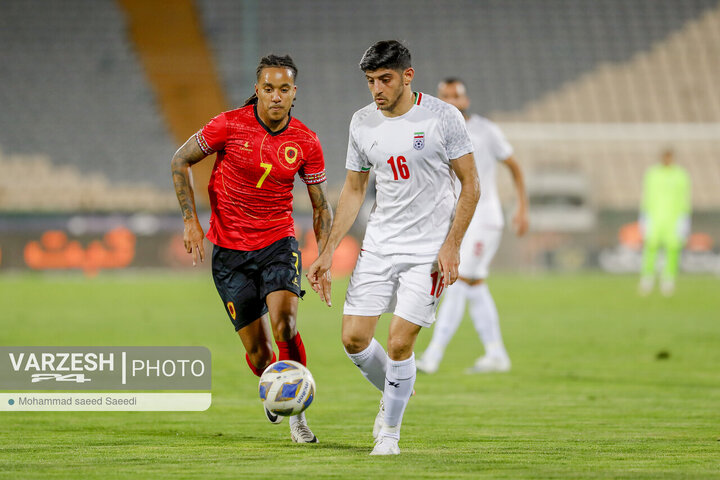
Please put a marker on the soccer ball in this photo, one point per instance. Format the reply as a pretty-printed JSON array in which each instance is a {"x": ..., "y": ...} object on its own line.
[{"x": 287, "y": 388}]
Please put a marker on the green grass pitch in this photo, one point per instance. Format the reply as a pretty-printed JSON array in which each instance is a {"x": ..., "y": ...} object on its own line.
[{"x": 589, "y": 396}]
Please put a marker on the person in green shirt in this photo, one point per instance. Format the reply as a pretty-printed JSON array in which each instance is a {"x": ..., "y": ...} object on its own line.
[{"x": 664, "y": 221}]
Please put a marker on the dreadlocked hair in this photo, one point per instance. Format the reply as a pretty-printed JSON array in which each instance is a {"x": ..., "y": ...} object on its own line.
[{"x": 272, "y": 60}]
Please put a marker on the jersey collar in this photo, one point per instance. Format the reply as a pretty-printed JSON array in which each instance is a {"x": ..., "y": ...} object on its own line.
[{"x": 267, "y": 129}]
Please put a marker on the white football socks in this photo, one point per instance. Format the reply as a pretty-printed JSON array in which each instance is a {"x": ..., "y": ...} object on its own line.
[
  {"x": 300, "y": 417},
  {"x": 399, "y": 382},
  {"x": 372, "y": 363},
  {"x": 485, "y": 318},
  {"x": 449, "y": 316}
]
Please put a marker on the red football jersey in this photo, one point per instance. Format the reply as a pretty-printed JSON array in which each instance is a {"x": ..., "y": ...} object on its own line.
[{"x": 252, "y": 179}]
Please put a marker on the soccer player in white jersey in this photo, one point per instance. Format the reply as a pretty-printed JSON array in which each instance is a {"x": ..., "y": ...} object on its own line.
[
  {"x": 416, "y": 144},
  {"x": 479, "y": 245}
]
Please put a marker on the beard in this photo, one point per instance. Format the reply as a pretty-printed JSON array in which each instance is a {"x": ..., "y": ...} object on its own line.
[{"x": 391, "y": 103}]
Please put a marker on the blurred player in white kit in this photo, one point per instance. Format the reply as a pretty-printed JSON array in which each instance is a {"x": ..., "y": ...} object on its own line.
[{"x": 479, "y": 244}]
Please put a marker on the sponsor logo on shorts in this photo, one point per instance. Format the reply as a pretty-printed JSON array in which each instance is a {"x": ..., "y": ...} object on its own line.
[{"x": 231, "y": 309}]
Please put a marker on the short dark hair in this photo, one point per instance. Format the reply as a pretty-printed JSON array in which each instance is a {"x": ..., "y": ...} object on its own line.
[
  {"x": 386, "y": 54},
  {"x": 270, "y": 61}
]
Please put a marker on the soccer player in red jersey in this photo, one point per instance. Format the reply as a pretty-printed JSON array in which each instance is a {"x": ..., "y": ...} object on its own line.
[{"x": 256, "y": 261}]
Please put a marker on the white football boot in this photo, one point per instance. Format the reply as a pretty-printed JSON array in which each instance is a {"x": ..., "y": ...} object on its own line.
[
  {"x": 426, "y": 365},
  {"x": 300, "y": 432},
  {"x": 386, "y": 446},
  {"x": 489, "y": 365},
  {"x": 380, "y": 418}
]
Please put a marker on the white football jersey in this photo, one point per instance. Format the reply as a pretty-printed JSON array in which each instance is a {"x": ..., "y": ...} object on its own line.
[
  {"x": 410, "y": 155},
  {"x": 490, "y": 147}
]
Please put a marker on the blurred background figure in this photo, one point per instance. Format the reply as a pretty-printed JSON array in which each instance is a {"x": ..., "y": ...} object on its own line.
[
  {"x": 664, "y": 221},
  {"x": 480, "y": 243}
]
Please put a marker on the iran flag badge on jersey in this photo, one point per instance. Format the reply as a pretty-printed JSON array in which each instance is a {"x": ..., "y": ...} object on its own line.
[{"x": 419, "y": 140}]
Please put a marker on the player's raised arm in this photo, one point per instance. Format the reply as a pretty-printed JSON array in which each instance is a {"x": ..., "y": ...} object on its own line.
[
  {"x": 186, "y": 156},
  {"x": 322, "y": 223},
  {"x": 351, "y": 199},
  {"x": 521, "y": 216},
  {"x": 449, "y": 255}
]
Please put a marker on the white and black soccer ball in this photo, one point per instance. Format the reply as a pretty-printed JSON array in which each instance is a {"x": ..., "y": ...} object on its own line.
[{"x": 287, "y": 388}]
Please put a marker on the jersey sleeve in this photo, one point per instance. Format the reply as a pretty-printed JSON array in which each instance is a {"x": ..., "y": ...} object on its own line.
[
  {"x": 212, "y": 137},
  {"x": 457, "y": 138},
  {"x": 355, "y": 159},
  {"x": 313, "y": 170},
  {"x": 501, "y": 148}
]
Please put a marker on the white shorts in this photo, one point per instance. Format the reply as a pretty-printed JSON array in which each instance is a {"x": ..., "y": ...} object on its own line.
[
  {"x": 477, "y": 251},
  {"x": 406, "y": 285}
]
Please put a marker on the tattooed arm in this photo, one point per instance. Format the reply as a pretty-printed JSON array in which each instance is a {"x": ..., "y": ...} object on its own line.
[
  {"x": 322, "y": 213},
  {"x": 186, "y": 156},
  {"x": 322, "y": 221}
]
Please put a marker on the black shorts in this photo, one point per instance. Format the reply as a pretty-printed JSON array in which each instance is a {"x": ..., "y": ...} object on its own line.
[{"x": 243, "y": 279}]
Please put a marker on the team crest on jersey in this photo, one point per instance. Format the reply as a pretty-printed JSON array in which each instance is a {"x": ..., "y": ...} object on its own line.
[
  {"x": 288, "y": 154},
  {"x": 419, "y": 140}
]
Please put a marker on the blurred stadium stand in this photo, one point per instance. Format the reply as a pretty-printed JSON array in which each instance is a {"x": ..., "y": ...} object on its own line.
[
  {"x": 545, "y": 62},
  {"x": 74, "y": 92},
  {"x": 588, "y": 92}
]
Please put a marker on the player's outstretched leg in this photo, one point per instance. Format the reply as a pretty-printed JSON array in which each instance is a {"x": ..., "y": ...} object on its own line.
[
  {"x": 485, "y": 318},
  {"x": 449, "y": 317},
  {"x": 256, "y": 340},
  {"x": 398, "y": 389},
  {"x": 366, "y": 353},
  {"x": 294, "y": 349},
  {"x": 399, "y": 381},
  {"x": 282, "y": 305},
  {"x": 372, "y": 363},
  {"x": 272, "y": 418}
]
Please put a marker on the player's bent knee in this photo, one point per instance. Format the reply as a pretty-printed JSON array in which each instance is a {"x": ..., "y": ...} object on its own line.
[
  {"x": 261, "y": 355},
  {"x": 354, "y": 343},
  {"x": 399, "y": 349},
  {"x": 284, "y": 329}
]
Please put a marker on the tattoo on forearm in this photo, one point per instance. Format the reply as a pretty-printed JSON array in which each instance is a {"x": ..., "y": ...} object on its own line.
[
  {"x": 322, "y": 215},
  {"x": 183, "y": 190},
  {"x": 187, "y": 155}
]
